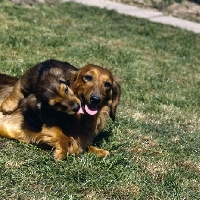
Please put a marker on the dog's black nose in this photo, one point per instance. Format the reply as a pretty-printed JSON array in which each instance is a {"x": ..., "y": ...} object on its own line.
[
  {"x": 94, "y": 100},
  {"x": 76, "y": 107}
]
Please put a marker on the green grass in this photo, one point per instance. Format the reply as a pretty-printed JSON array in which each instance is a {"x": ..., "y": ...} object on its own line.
[{"x": 155, "y": 141}]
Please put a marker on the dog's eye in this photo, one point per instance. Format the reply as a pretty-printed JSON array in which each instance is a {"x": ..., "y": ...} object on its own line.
[
  {"x": 107, "y": 84},
  {"x": 66, "y": 90},
  {"x": 88, "y": 77},
  {"x": 62, "y": 81},
  {"x": 68, "y": 83}
]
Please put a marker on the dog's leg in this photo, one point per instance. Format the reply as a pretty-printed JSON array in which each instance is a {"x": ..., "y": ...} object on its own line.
[
  {"x": 63, "y": 145},
  {"x": 98, "y": 152},
  {"x": 101, "y": 120},
  {"x": 10, "y": 104},
  {"x": 103, "y": 116},
  {"x": 67, "y": 146}
]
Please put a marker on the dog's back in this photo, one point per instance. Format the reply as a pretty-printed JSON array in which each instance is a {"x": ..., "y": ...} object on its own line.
[
  {"x": 36, "y": 74},
  {"x": 7, "y": 80}
]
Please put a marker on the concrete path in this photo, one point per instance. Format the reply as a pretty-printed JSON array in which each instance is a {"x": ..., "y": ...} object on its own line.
[{"x": 153, "y": 16}]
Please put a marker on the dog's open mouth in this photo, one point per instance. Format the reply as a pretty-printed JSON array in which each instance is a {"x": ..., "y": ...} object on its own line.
[{"x": 89, "y": 109}]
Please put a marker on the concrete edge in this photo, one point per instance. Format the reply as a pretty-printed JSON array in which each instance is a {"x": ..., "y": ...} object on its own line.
[{"x": 153, "y": 16}]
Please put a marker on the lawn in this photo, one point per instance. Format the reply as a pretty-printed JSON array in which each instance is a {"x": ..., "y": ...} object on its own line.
[{"x": 155, "y": 140}]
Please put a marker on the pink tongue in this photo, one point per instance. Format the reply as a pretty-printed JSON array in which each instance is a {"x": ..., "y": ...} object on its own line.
[
  {"x": 81, "y": 111},
  {"x": 91, "y": 110}
]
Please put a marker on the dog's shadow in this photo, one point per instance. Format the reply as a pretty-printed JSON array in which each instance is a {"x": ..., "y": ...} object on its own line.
[{"x": 102, "y": 136}]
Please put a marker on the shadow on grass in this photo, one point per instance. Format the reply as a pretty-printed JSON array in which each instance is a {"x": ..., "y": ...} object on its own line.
[{"x": 102, "y": 136}]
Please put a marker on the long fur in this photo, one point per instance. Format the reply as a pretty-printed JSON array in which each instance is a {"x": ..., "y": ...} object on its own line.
[
  {"x": 49, "y": 74},
  {"x": 67, "y": 134}
]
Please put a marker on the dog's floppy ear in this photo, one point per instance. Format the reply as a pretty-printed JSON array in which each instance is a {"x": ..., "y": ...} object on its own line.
[
  {"x": 72, "y": 77},
  {"x": 115, "y": 96}
]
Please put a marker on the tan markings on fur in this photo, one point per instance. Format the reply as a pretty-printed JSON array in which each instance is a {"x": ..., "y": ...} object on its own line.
[
  {"x": 55, "y": 100},
  {"x": 62, "y": 88},
  {"x": 55, "y": 71},
  {"x": 4, "y": 93},
  {"x": 65, "y": 99},
  {"x": 11, "y": 103}
]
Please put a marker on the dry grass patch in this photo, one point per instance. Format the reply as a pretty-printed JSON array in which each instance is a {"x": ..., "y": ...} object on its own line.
[
  {"x": 13, "y": 164},
  {"x": 192, "y": 166}
]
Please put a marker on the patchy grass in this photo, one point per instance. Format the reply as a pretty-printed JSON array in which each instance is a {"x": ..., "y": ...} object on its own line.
[{"x": 154, "y": 142}]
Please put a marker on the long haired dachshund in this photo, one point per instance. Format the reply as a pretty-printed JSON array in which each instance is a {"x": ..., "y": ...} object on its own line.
[
  {"x": 99, "y": 93},
  {"x": 48, "y": 80}
]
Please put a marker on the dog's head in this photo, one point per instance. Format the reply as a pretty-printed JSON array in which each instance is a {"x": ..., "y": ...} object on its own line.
[
  {"x": 55, "y": 91},
  {"x": 96, "y": 87}
]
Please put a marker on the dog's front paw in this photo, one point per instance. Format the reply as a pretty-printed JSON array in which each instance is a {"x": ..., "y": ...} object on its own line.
[
  {"x": 66, "y": 146},
  {"x": 98, "y": 152},
  {"x": 8, "y": 106}
]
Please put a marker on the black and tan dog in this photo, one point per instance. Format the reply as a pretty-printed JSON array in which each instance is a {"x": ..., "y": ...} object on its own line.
[
  {"x": 49, "y": 82},
  {"x": 99, "y": 93}
]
